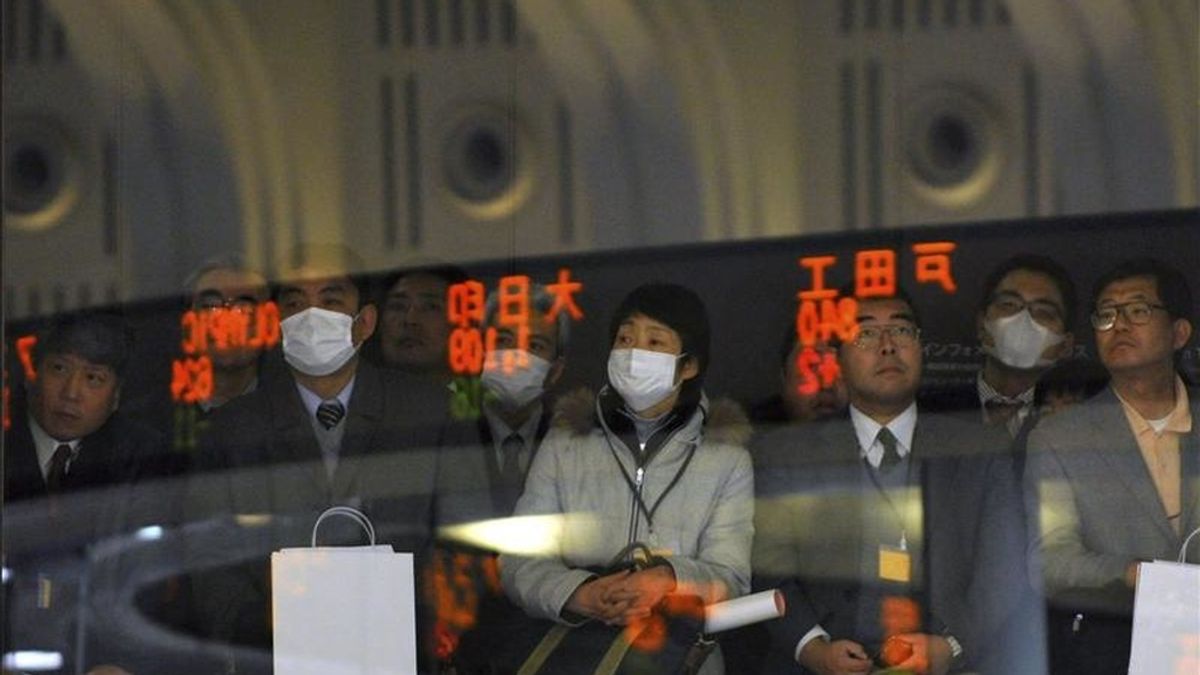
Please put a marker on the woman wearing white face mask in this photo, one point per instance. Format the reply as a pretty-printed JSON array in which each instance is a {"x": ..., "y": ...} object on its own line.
[{"x": 650, "y": 461}]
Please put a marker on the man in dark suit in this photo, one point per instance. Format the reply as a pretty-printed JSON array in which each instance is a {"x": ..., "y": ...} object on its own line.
[
  {"x": 483, "y": 470},
  {"x": 1116, "y": 479},
  {"x": 70, "y": 462},
  {"x": 65, "y": 436},
  {"x": 896, "y": 537},
  {"x": 334, "y": 431},
  {"x": 1024, "y": 326},
  {"x": 499, "y": 445}
]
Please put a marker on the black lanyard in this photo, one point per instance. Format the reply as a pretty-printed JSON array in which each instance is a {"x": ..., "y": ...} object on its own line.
[{"x": 900, "y": 519}]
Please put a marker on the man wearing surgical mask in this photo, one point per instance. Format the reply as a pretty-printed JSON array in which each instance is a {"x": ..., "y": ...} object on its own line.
[
  {"x": 515, "y": 380},
  {"x": 492, "y": 454},
  {"x": 1024, "y": 328},
  {"x": 483, "y": 473},
  {"x": 1023, "y": 324},
  {"x": 338, "y": 431}
]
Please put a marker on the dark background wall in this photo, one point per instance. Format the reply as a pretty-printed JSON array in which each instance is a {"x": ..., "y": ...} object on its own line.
[{"x": 750, "y": 290}]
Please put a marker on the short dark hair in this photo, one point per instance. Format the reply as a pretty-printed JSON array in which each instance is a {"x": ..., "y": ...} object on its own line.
[
  {"x": 1172, "y": 286},
  {"x": 98, "y": 337},
  {"x": 341, "y": 259},
  {"x": 1041, "y": 265},
  {"x": 898, "y": 293},
  {"x": 680, "y": 309}
]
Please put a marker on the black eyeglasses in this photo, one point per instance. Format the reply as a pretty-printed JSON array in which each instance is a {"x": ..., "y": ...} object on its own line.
[
  {"x": 1042, "y": 311},
  {"x": 1137, "y": 313},
  {"x": 208, "y": 302},
  {"x": 869, "y": 337}
]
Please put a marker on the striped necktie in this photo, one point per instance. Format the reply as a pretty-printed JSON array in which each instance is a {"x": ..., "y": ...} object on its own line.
[{"x": 329, "y": 413}]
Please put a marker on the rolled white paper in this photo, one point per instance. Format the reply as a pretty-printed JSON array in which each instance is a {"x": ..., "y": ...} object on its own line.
[{"x": 743, "y": 611}]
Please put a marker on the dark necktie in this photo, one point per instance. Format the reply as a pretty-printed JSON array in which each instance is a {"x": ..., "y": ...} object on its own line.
[
  {"x": 329, "y": 413},
  {"x": 510, "y": 470},
  {"x": 509, "y": 490},
  {"x": 891, "y": 456},
  {"x": 58, "y": 468}
]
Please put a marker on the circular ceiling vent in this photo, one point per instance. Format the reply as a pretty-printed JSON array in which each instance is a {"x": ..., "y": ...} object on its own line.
[
  {"x": 487, "y": 161},
  {"x": 954, "y": 146},
  {"x": 42, "y": 173}
]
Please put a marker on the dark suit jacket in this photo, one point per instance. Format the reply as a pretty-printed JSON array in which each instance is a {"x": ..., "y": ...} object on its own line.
[
  {"x": 47, "y": 536},
  {"x": 469, "y": 486},
  {"x": 961, "y": 400},
  {"x": 260, "y": 456},
  {"x": 808, "y": 536},
  {"x": 113, "y": 454},
  {"x": 1099, "y": 511}
]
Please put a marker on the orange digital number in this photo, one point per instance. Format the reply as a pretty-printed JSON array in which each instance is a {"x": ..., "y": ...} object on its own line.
[
  {"x": 25, "y": 345},
  {"x": 191, "y": 379}
]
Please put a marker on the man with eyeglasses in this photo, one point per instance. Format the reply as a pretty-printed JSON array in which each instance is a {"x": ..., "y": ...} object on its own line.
[
  {"x": 1116, "y": 478},
  {"x": 1023, "y": 324},
  {"x": 224, "y": 297},
  {"x": 228, "y": 285},
  {"x": 894, "y": 535}
]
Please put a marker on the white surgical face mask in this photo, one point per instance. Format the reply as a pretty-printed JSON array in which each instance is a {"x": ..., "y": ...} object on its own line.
[
  {"x": 317, "y": 341},
  {"x": 518, "y": 385},
  {"x": 1018, "y": 341},
  {"x": 643, "y": 378}
]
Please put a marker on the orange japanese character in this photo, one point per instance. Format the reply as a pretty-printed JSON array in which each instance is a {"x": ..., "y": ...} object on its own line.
[
  {"x": 933, "y": 264},
  {"x": 818, "y": 264},
  {"x": 875, "y": 273},
  {"x": 465, "y": 303},
  {"x": 564, "y": 296}
]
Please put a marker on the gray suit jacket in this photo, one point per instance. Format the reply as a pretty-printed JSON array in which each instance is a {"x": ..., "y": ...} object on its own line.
[{"x": 1098, "y": 507}]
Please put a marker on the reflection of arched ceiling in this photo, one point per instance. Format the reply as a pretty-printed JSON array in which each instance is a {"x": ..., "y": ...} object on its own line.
[
  {"x": 650, "y": 88},
  {"x": 687, "y": 118},
  {"x": 186, "y": 87},
  {"x": 1119, "y": 81}
]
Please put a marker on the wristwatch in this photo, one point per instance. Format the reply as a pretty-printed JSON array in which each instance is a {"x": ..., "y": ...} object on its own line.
[{"x": 956, "y": 649}]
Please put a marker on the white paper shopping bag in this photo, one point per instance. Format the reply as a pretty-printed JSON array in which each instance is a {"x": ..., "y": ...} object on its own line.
[
  {"x": 1166, "y": 619},
  {"x": 344, "y": 609}
]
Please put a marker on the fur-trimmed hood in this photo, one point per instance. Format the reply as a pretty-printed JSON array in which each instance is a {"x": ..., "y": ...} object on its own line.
[{"x": 726, "y": 423}]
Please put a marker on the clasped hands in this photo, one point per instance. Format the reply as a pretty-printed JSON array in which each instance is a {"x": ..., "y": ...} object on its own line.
[
  {"x": 930, "y": 655},
  {"x": 622, "y": 597}
]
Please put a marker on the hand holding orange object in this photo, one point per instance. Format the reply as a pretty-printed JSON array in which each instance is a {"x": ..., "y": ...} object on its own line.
[
  {"x": 895, "y": 651},
  {"x": 930, "y": 654}
]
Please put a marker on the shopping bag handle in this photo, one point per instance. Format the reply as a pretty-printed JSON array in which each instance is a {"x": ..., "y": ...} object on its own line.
[{"x": 350, "y": 512}]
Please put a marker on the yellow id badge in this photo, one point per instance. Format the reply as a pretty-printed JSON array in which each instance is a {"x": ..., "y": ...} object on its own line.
[{"x": 895, "y": 564}]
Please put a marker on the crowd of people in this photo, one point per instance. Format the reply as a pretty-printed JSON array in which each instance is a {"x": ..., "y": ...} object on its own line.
[{"x": 992, "y": 528}]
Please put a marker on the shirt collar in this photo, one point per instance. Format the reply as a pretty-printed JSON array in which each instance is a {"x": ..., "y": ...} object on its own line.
[
  {"x": 500, "y": 429},
  {"x": 866, "y": 429},
  {"x": 1178, "y": 421},
  {"x": 45, "y": 445},
  {"x": 988, "y": 393},
  {"x": 312, "y": 401}
]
